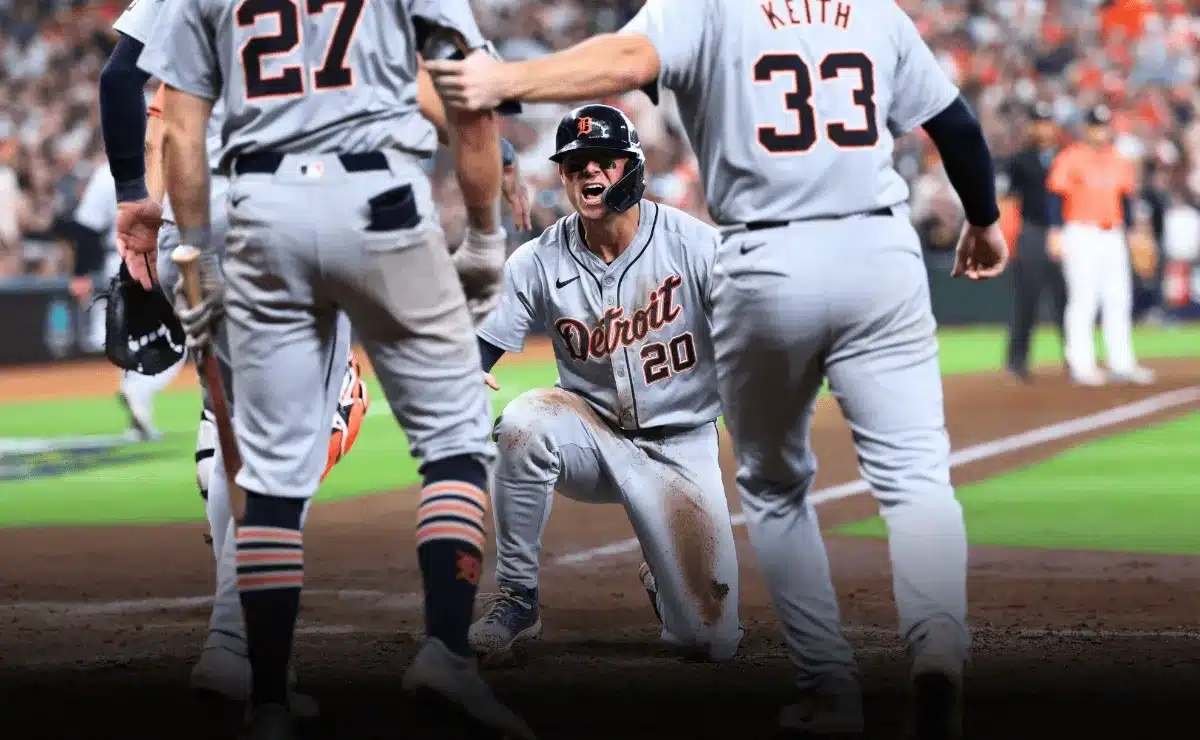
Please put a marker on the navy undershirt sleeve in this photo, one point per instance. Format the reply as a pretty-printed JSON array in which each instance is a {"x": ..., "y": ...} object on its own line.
[
  {"x": 490, "y": 354},
  {"x": 1127, "y": 210},
  {"x": 123, "y": 118},
  {"x": 968, "y": 162}
]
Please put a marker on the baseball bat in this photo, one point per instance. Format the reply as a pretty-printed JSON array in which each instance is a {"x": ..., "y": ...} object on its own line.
[{"x": 186, "y": 256}]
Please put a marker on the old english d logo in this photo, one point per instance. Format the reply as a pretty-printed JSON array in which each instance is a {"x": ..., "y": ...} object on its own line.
[{"x": 585, "y": 126}]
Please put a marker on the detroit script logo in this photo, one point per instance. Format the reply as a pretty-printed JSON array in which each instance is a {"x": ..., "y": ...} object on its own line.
[{"x": 615, "y": 331}]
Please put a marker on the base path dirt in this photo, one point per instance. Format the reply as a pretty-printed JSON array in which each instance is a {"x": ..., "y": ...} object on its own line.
[{"x": 1048, "y": 623}]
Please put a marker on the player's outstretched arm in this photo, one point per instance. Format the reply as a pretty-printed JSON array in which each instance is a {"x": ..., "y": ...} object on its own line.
[
  {"x": 982, "y": 251},
  {"x": 603, "y": 65}
]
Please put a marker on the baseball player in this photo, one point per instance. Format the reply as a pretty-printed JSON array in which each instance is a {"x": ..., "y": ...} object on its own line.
[
  {"x": 97, "y": 211},
  {"x": 330, "y": 208},
  {"x": 223, "y": 668},
  {"x": 624, "y": 284},
  {"x": 1092, "y": 192},
  {"x": 792, "y": 110}
]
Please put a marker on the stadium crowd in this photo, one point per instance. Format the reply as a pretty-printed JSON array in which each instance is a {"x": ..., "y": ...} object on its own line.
[{"x": 1141, "y": 57}]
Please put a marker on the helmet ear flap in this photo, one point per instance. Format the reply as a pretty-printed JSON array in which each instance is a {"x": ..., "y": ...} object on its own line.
[{"x": 626, "y": 192}]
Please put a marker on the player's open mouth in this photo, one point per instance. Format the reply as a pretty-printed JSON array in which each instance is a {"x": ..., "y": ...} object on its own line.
[{"x": 592, "y": 193}]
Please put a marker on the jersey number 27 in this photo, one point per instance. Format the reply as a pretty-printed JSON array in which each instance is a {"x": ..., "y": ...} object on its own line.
[
  {"x": 290, "y": 81},
  {"x": 800, "y": 101}
]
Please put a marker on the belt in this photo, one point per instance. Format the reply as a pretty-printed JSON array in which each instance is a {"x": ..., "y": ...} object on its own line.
[
  {"x": 759, "y": 225},
  {"x": 266, "y": 163},
  {"x": 1103, "y": 226}
]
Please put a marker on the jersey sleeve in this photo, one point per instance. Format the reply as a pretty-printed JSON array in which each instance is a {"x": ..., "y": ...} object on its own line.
[
  {"x": 703, "y": 250},
  {"x": 1062, "y": 173},
  {"x": 181, "y": 51},
  {"x": 138, "y": 19},
  {"x": 450, "y": 15},
  {"x": 507, "y": 326},
  {"x": 677, "y": 29},
  {"x": 922, "y": 89},
  {"x": 97, "y": 207}
]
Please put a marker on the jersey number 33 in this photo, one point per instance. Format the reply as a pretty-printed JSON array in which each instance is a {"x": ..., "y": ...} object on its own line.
[
  {"x": 295, "y": 79},
  {"x": 840, "y": 134}
]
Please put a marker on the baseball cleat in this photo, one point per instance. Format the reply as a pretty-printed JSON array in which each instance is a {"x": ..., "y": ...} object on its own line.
[
  {"x": 449, "y": 685},
  {"x": 1090, "y": 378},
  {"x": 823, "y": 716},
  {"x": 936, "y": 709},
  {"x": 647, "y": 579},
  {"x": 140, "y": 425},
  {"x": 268, "y": 722},
  {"x": 1136, "y": 376},
  {"x": 510, "y": 616},
  {"x": 222, "y": 673}
]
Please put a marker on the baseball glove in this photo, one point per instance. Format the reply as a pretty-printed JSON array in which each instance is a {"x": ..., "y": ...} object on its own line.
[
  {"x": 141, "y": 332},
  {"x": 353, "y": 403}
]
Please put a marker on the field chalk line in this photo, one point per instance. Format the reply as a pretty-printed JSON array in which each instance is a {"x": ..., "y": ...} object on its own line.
[{"x": 967, "y": 455}]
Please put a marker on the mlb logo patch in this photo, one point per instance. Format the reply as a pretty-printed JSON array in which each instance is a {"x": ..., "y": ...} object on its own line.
[{"x": 316, "y": 169}]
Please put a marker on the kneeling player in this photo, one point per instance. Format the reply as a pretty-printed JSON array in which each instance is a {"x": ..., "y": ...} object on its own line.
[{"x": 624, "y": 285}]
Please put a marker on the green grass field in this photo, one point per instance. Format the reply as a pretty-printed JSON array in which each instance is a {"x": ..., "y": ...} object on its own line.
[
  {"x": 1134, "y": 492},
  {"x": 163, "y": 489}
]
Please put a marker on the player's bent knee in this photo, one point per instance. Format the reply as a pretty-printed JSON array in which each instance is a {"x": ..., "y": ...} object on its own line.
[{"x": 528, "y": 421}]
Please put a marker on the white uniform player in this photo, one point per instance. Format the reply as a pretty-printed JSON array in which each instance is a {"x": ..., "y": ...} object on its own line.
[
  {"x": 792, "y": 109},
  {"x": 223, "y": 668},
  {"x": 97, "y": 210},
  {"x": 623, "y": 285}
]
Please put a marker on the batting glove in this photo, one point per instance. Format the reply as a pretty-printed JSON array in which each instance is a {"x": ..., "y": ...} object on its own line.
[
  {"x": 480, "y": 265},
  {"x": 200, "y": 321}
]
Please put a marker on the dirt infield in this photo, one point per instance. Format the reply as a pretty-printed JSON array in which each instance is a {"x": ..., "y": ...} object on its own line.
[{"x": 1047, "y": 622}]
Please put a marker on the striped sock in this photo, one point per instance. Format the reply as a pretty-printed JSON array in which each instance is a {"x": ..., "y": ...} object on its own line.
[
  {"x": 450, "y": 540},
  {"x": 270, "y": 567}
]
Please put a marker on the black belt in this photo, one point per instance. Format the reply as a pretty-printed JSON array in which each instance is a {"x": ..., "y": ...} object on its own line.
[
  {"x": 266, "y": 163},
  {"x": 759, "y": 225}
]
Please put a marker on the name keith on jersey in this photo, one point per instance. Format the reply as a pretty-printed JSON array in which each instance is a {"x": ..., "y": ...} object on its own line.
[
  {"x": 834, "y": 13},
  {"x": 615, "y": 330}
]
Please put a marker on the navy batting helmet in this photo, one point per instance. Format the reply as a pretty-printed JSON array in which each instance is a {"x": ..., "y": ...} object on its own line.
[{"x": 602, "y": 128}]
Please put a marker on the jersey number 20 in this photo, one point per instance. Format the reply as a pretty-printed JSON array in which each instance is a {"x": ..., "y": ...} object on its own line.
[
  {"x": 290, "y": 80},
  {"x": 800, "y": 101}
]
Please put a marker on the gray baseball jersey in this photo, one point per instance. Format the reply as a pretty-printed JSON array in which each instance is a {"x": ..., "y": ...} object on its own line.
[
  {"x": 633, "y": 337},
  {"x": 792, "y": 106},
  {"x": 97, "y": 209},
  {"x": 138, "y": 20},
  {"x": 321, "y": 76}
]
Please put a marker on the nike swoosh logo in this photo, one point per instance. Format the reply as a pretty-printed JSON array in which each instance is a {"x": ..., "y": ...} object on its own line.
[
  {"x": 565, "y": 283},
  {"x": 748, "y": 248},
  {"x": 237, "y": 201}
]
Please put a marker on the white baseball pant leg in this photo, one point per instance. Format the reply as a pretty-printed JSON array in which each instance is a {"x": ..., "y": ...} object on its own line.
[{"x": 1096, "y": 268}]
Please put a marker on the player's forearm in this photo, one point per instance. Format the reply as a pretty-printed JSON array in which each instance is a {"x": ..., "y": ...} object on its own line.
[
  {"x": 186, "y": 162},
  {"x": 123, "y": 118},
  {"x": 155, "y": 182},
  {"x": 475, "y": 143},
  {"x": 603, "y": 65},
  {"x": 430, "y": 104},
  {"x": 968, "y": 162}
]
